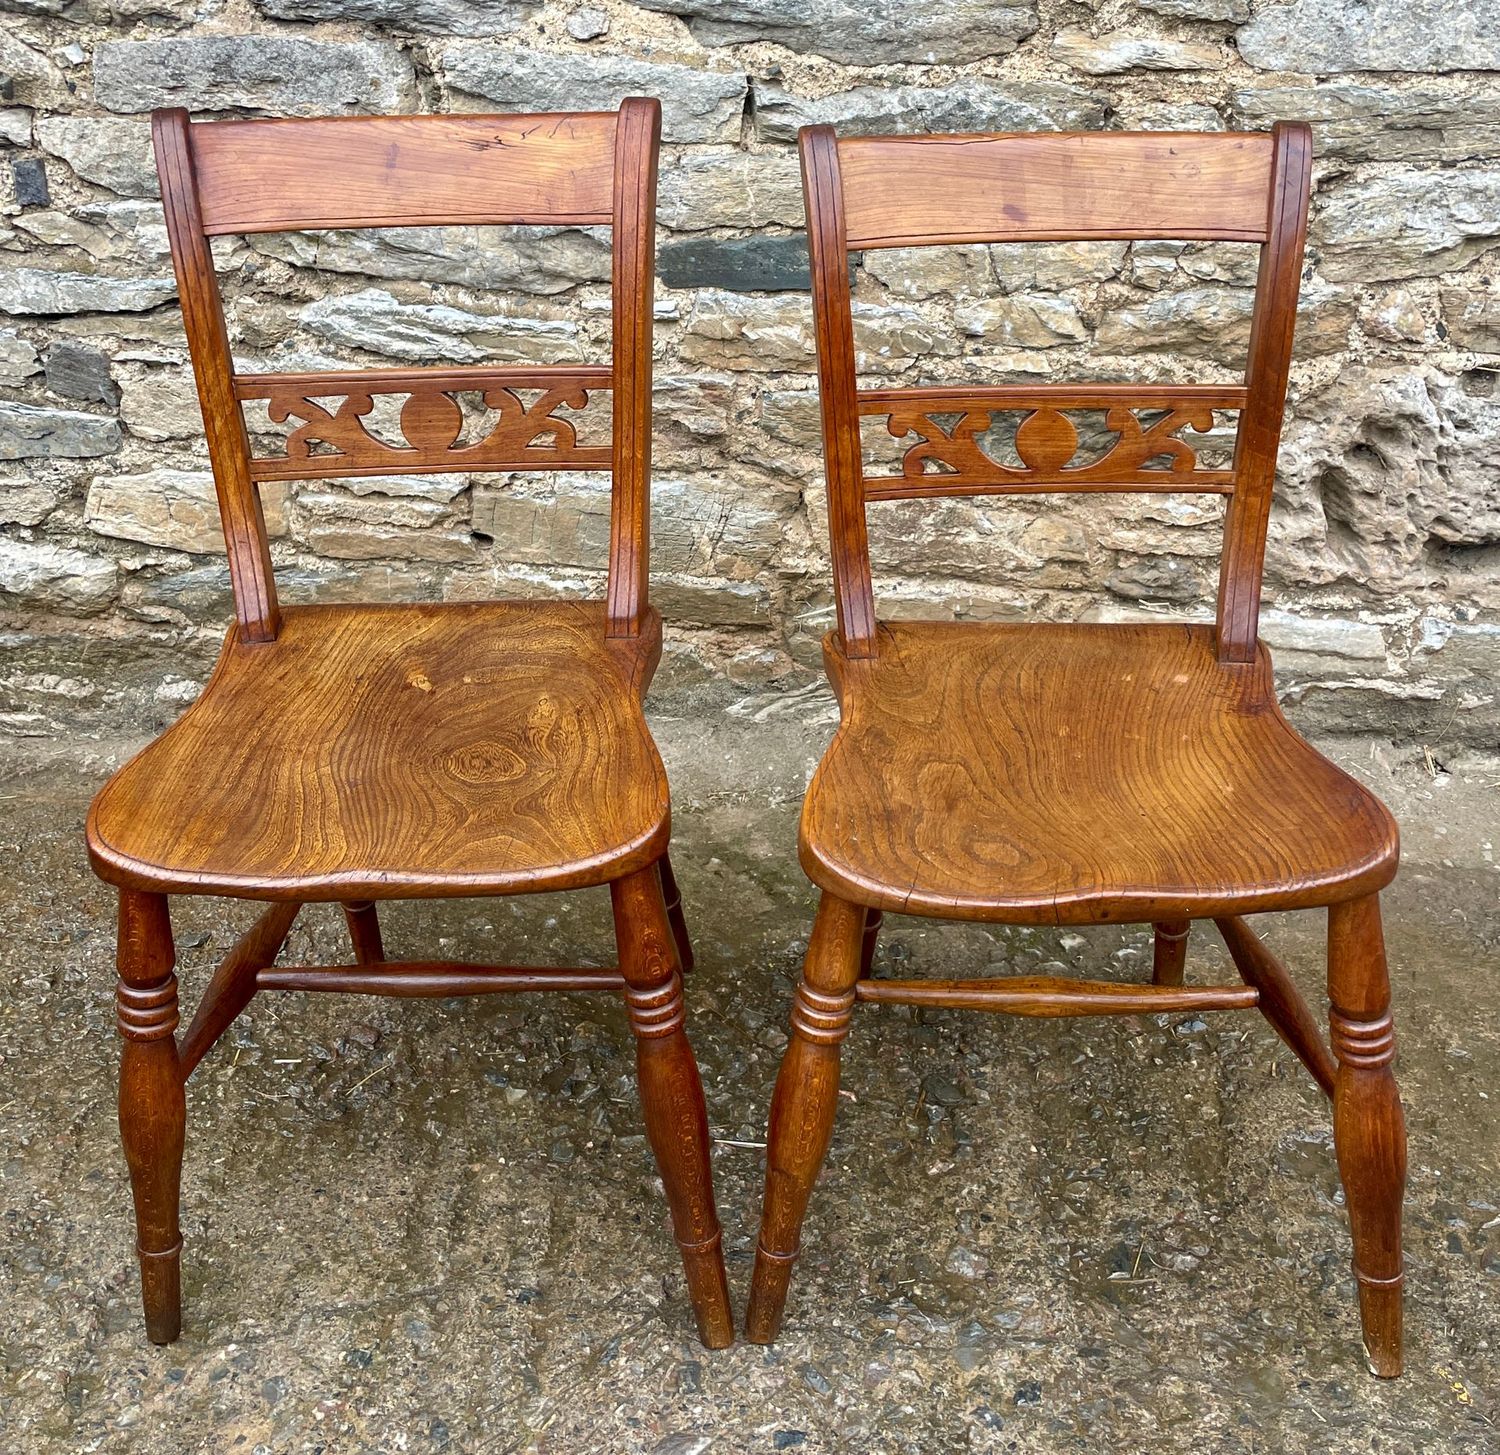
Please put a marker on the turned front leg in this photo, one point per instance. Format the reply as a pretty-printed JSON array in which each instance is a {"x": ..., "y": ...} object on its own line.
[
  {"x": 802, "y": 1108},
  {"x": 1368, "y": 1130},
  {"x": 153, "y": 1110},
  {"x": 672, "y": 1094}
]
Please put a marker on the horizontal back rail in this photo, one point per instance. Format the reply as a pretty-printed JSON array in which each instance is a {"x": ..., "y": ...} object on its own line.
[
  {"x": 404, "y": 171},
  {"x": 951, "y": 459},
  {"x": 334, "y": 440},
  {"x": 911, "y": 191}
]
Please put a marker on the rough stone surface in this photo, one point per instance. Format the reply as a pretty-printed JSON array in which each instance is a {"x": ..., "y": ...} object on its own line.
[
  {"x": 1380, "y": 35},
  {"x": 697, "y": 104},
  {"x": 872, "y": 33},
  {"x": 29, "y": 182},
  {"x": 1407, "y": 223},
  {"x": 54, "y": 578},
  {"x": 33, "y": 432},
  {"x": 113, "y": 152},
  {"x": 1236, "y": 10},
  {"x": 737, "y": 191},
  {"x": 1472, "y": 316},
  {"x": 41, "y": 290},
  {"x": 1108, "y": 55},
  {"x": 173, "y": 508},
  {"x": 441, "y": 17},
  {"x": 277, "y": 74},
  {"x": 1383, "y": 123},
  {"x": 18, "y": 358},
  {"x": 1382, "y": 518},
  {"x": 977, "y": 105},
  {"x": 161, "y": 404},
  {"x": 79, "y": 372},
  {"x": 744, "y": 265},
  {"x": 433, "y": 333},
  {"x": 530, "y": 260},
  {"x": 1216, "y": 321}
]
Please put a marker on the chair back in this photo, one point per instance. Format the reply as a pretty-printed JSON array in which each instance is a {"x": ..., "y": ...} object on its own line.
[
  {"x": 910, "y": 191},
  {"x": 596, "y": 168}
]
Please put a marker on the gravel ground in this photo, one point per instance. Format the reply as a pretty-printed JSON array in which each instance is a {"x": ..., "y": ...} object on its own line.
[{"x": 432, "y": 1226}]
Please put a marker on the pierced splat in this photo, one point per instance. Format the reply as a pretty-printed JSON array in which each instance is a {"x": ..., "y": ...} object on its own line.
[
  {"x": 338, "y": 441},
  {"x": 951, "y": 459}
]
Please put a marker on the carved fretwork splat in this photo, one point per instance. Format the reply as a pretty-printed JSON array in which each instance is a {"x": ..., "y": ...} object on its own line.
[
  {"x": 950, "y": 459},
  {"x": 333, "y": 442}
]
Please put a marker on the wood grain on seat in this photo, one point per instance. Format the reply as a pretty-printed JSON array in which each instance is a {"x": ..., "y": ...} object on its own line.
[
  {"x": 1076, "y": 773},
  {"x": 380, "y": 751}
]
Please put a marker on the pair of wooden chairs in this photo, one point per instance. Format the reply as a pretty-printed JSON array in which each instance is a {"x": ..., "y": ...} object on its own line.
[{"x": 1028, "y": 774}]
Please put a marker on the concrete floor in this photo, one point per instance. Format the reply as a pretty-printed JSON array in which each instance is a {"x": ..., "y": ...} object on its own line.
[{"x": 426, "y": 1226}]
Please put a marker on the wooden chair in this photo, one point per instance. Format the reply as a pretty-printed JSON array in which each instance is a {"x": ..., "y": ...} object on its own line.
[
  {"x": 361, "y": 753},
  {"x": 1078, "y": 774}
]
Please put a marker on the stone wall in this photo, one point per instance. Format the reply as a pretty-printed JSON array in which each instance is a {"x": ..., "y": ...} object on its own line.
[{"x": 1383, "y": 588}]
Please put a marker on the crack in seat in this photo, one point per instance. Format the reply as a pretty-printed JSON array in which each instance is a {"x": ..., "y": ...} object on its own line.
[
  {"x": 1072, "y": 774},
  {"x": 446, "y": 750}
]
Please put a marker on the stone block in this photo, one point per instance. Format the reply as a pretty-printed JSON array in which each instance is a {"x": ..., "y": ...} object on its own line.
[
  {"x": 109, "y": 150},
  {"x": 433, "y": 333},
  {"x": 737, "y": 189},
  {"x": 1372, "y": 122},
  {"x": 45, "y": 291},
  {"x": 54, "y": 578},
  {"x": 176, "y": 509},
  {"x": 280, "y": 75},
  {"x": 697, "y": 104},
  {"x": 1117, "y": 52},
  {"x": 529, "y": 260},
  {"x": 418, "y": 17},
  {"x": 80, "y": 372},
  {"x": 34, "y": 432},
  {"x": 1408, "y": 223},
  {"x": 864, "y": 32},
  {"x": 976, "y": 105},
  {"x": 1321, "y": 37}
]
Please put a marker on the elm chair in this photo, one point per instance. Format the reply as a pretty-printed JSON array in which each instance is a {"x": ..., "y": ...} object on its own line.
[
  {"x": 1042, "y": 774},
  {"x": 362, "y": 753}
]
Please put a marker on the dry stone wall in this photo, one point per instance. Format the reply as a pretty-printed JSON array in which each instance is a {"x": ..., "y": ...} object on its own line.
[{"x": 1384, "y": 568}]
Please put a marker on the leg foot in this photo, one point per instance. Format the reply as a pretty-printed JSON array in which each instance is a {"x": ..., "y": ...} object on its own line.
[
  {"x": 672, "y": 1095},
  {"x": 1169, "y": 956},
  {"x": 803, "y": 1106},
  {"x": 1368, "y": 1129},
  {"x": 153, "y": 1110}
]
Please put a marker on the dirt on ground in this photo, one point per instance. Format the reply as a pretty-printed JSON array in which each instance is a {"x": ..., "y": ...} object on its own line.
[{"x": 435, "y": 1226}]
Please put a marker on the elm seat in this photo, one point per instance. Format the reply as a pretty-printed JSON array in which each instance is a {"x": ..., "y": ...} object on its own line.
[
  {"x": 1077, "y": 773},
  {"x": 380, "y": 751}
]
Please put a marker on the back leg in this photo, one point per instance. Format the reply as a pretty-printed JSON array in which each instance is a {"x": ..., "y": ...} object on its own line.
[
  {"x": 364, "y": 931},
  {"x": 1369, "y": 1133},
  {"x": 873, "y": 920},
  {"x": 1169, "y": 956},
  {"x": 673, "y": 897}
]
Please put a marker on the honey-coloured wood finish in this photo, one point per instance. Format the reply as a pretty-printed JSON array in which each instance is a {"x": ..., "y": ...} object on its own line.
[
  {"x": 355, "y": 754},
  {"x": 1076, "y": 774}
]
